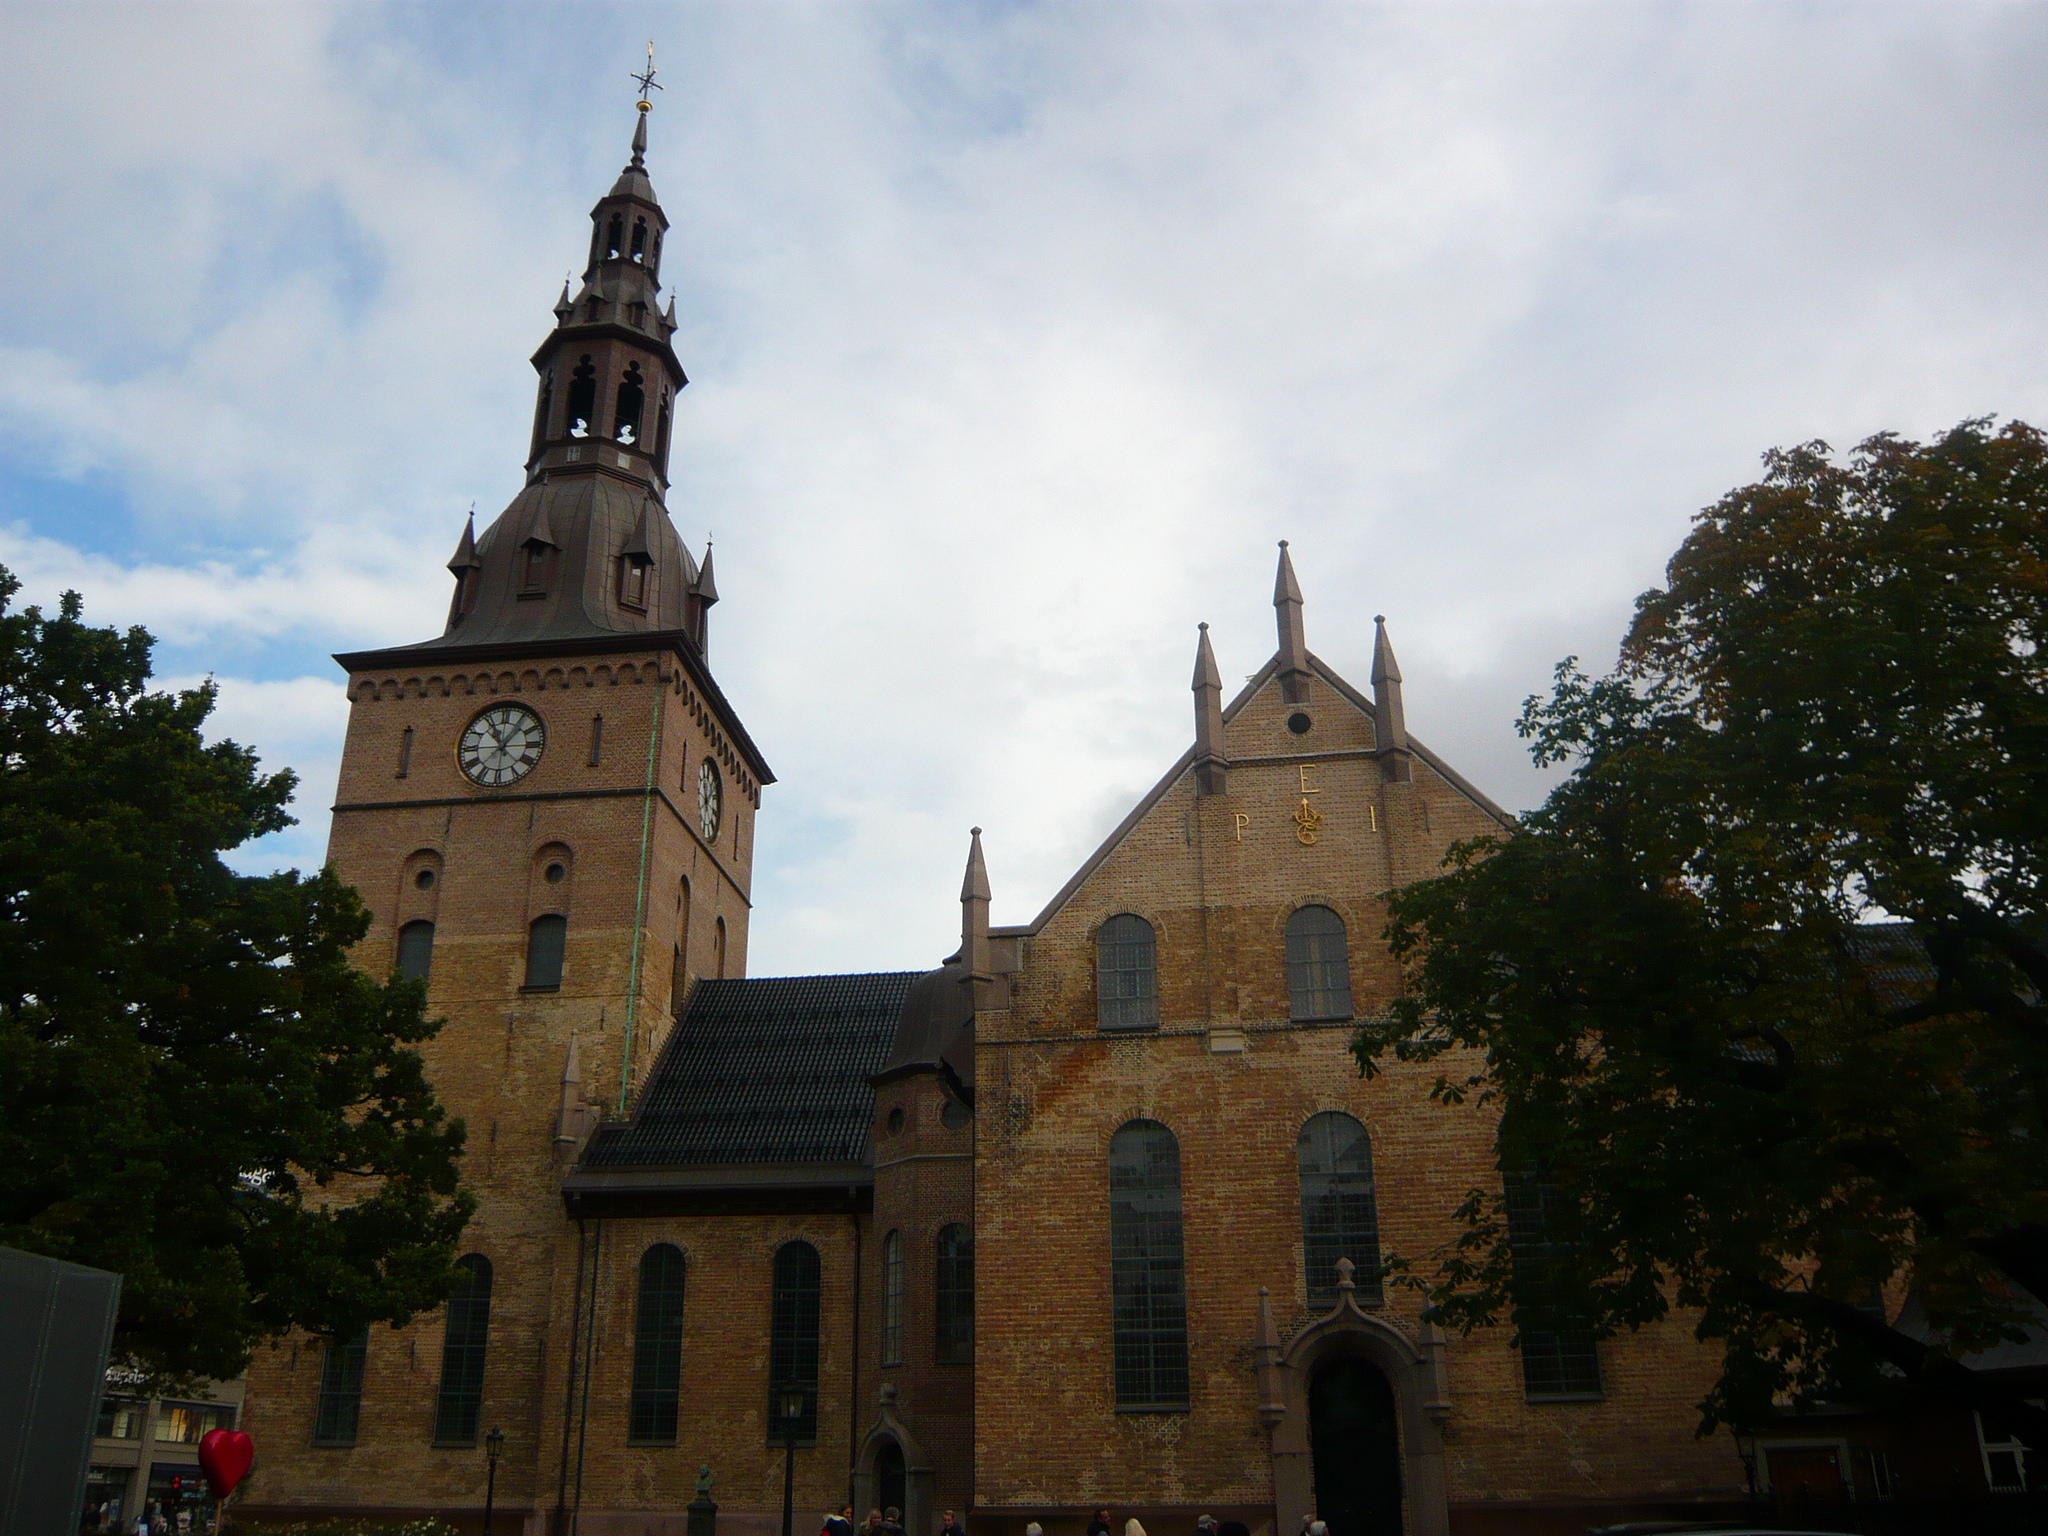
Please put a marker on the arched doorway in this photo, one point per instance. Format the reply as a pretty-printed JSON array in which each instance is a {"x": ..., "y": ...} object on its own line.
[
  {"x": 1356, "y": 1448},
  {"x": 890, "y": 1484}
]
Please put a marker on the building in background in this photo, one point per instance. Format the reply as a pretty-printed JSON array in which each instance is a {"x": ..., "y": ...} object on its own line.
[{"x": 146, "y": 1450}]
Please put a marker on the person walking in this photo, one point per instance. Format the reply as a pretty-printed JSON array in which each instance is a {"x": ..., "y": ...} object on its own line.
[
  {"x": 948, "y": 1526},
  {"x": 1099, "y": 1526}
]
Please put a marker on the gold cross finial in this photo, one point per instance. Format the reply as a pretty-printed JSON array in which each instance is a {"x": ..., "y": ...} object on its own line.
[{"x": 645, "y": 79}]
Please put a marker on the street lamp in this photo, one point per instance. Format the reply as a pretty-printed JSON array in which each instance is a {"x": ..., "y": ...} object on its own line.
[
  {"x": 494, "y": 1443},
  {"x": 1745, "y": 1447},
  {"x": 790, "y": 1405}
]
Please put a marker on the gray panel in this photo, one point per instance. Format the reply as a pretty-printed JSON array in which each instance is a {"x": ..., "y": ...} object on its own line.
[{"x": 56, "y": 1323}]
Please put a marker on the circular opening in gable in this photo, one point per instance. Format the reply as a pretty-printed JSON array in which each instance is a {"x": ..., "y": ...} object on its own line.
[
  {"x": 1299, "y": 722},
  {"x": 555, "y": 874},
  {"x": 953, "y": 1114},
  {"x": 424, "y": 879}
]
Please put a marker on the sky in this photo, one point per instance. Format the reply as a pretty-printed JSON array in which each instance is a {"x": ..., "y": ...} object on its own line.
[{"x": 1018, "y": 335}]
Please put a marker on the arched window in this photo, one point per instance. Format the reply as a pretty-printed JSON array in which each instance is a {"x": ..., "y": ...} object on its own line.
[
  {"x": 416, "y": 950},
  {"x": 582, "y": 397},
  {"x": 640, "y": 240},
  {"x": 462, "y": 1354},
  {"x": 1318, "y": 967},
  {"x": 1147, "y": 1280},
  {"x": 718, "y": 949},
  {"x": 1333, "y": 1155},
  {"x": 545, "y": 941},
  {"x": 953, "y": 1297},
  {"x": 892, "y": 1299},
  {"x": 658, "y": 1346},
  {"x": 631, "y": 402},
  {"x": 793, "y": 1333},
  {"x": 1559, "y": 1357},
  {"x": 1126, "y": 974},
  {"x": 540, "y": 413},
  {"x": 339, "y": 1406},
  {"x": 654, "y": 262},
  {"x": 615, "y": 236}
]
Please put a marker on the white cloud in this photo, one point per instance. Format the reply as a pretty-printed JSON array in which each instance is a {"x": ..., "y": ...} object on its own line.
[{"x": 1018, "y": 336}]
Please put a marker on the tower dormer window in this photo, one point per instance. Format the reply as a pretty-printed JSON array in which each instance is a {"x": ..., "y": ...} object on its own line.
[
  {"x": 640, "y": 240},
  {"x": 590, "y": 310},
  {"x": 533, "y": 568},
  {"x": 633, "y": 582},
  {"x": 632, "y": 401},
  {"x": 582, "y": 397},
  {"x": 615, "y": 236}
]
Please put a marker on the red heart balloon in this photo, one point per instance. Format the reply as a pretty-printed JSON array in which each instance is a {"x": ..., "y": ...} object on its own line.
[{"x": 225, "y": 1456}]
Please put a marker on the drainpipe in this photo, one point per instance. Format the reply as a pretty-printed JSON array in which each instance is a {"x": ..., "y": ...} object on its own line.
[
  {"x": 569, "y": 1388},
  {"x": 640, "y": 897},
  {"x": 853, "y": 1391}
]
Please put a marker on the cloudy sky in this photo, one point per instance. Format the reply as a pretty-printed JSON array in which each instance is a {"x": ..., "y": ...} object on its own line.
[{"x": 1018, "y": 334}]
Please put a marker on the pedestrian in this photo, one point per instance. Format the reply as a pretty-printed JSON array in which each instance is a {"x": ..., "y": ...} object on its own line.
[
  {"x": 840, "y": 1523},
  {"x": 1206, "y": 1526},
  {"x": 892, "y": 1521},
  {"x": 948, "y": 1526},
  {"x": 1099, "y": 1526},
  {"x": 874, "y": 1523}
]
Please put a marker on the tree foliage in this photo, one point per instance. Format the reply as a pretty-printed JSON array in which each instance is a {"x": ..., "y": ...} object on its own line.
[
  {"x": 197, "y": 1089},
  {"x": 1761, "y": 985}
]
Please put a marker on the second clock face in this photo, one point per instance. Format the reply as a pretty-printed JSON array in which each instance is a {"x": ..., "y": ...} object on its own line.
[
  {"x": 501, "y": 745},
  {"x": 709, "y": 795}
]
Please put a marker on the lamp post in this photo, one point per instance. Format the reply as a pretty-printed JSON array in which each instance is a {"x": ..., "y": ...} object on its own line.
[
  {"x": 1745, "y": 1447},
  {"x": 790, "y": 1403},
  {"x": 494, "y": 1443}
]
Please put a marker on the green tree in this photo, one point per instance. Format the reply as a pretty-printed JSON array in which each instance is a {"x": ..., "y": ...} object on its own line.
[
  {"x": 196, "y": 1087},
  {"x": 1760, "y": 988}
]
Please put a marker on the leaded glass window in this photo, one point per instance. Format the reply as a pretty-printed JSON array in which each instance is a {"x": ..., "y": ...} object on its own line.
[
  {"x": 1333, "y": 1155},
  {"x": 953, "y": 1297},
  {"x": 657, "y": 1346},
  {"x": 340, "y": 1403},
  {"x": 892, "y": 1298},
  {"x": 545, "y": 942},
  {"x": 463, "y": 1344},
  {"x": 1126, "y": 974},
  {"x": 1559, "y": 1358},
  {"x": 1147, "y": 1282},
  {"x": 1318, "y": 967},
  {"x": 793, "y": 1334},
  {"x": 416, "y": 950}
]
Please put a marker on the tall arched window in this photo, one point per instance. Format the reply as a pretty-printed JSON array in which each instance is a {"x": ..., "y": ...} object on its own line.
[
  {"x": 1318, "y": 967},
  {"x": 463, "y": 1344},
  {"x": 339, "y": 1406},
  {"x": 892, "y": 1299},
  {"x": 1126, "y": 974},
  {"x": 582, "y": 397},
  {"x": 545, "y": 941},
  {"x": 793, "y": 1333},
  {"x": 632, "y": 401},
  {"x": 1333, "y": 1155},
  {"x": 1147, "y": 1280},
  {"x": 416, "y": 950},
  {"x": 657, "y": 1347},
  {"x": 640, "y": 240},
  {"x": 953, "y": 1297},
  {"x": 615, "y": 235}
]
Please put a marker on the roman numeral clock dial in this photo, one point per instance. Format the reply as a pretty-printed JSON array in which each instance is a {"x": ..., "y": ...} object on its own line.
[{"x": 501, "y": 745}]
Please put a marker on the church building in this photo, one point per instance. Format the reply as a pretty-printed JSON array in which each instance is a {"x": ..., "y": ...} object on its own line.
[{"x": 1090, "y": 1213}]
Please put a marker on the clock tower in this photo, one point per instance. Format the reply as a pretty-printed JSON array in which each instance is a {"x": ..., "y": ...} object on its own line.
[{"x": 549, "y": 810}]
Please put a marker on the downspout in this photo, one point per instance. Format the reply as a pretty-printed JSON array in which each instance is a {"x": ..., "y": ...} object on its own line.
[
  {"x": 589, "y": 1365},
  {"x": 569, "y": 1390},
  {"x": 640, "y": 897},
  {"x": 853, "y": 1394}
]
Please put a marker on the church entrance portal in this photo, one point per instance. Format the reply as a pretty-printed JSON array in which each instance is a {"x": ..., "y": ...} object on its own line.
[
  {"x": 889, "y": 1482},
  {"x": 1356, "y": 1449}
]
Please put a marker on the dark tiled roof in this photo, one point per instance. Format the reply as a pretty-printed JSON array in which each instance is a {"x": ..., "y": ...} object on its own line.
[{"x": 768, "y": 1070}]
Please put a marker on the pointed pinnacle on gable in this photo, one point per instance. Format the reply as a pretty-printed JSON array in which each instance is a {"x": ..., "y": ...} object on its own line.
[
  {"x": 564, "y": 306},
  {"x": 707, "y": 588},
  {"x": 974, "y": 887},
  {"x": 1389, "y": 718},
  {"x": 1293, "y": 634},
  {"x": 974, "y": 899},
  {"x": 638, "y": 161},
  {"x": 1210, "y": 765},
  {"x": 464, "y": 558}
]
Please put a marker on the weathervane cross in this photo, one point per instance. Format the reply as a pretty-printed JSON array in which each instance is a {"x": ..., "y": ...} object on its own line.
[{"x": 645, "y": 78}]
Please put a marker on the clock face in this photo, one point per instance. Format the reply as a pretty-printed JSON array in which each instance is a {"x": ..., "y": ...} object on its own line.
[
  {"x": 501, "y": 745},
  {"x": 709, "y": 795}
]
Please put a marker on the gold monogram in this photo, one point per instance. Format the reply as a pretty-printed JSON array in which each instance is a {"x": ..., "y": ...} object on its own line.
[{"x": 1308, "y": 821}]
